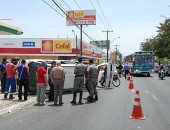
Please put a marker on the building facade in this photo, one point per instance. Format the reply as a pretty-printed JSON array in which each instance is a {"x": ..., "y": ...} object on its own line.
[{"x": 47, "y": 48}]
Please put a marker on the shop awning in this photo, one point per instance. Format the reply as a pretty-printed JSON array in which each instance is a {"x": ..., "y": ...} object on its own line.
[{"x": 6, "y": 29}]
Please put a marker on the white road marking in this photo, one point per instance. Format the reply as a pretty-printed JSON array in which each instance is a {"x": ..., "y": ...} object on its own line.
[
  {"x": 153, "y": 96},
  {"x": 145, "y": 91}
]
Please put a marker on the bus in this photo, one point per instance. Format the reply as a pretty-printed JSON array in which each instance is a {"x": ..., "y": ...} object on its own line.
[{"x": 142, "y": 62}]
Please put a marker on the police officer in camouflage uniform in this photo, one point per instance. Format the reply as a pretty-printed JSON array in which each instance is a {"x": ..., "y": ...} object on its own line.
[
  {"x": 79, "y": 71},
  {"x": 92, "y": 77}
]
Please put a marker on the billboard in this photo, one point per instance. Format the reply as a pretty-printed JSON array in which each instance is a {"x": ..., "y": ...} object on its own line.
[
  {"x": 81, "y": 17},
  {"x": 102, "y": 44}
]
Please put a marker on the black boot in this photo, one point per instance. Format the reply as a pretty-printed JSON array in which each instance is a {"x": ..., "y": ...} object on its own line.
[
  {"x": 74, "y": 97},
  {"x": 80, "y": 98},
  {"x": 96, "y": 98},
  {"x": 90, "y": 99}
]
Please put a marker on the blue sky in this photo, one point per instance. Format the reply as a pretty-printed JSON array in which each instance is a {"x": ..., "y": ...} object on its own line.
[{"x": 131, "y": 20}]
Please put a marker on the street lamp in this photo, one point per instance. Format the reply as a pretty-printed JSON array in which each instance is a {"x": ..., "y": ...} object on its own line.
[
  {"x": 115, "y": 39},
  {"x": 76, "y": 45}
]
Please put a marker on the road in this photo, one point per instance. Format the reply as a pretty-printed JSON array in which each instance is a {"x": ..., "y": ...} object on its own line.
[{"x": 111, "y": 112}]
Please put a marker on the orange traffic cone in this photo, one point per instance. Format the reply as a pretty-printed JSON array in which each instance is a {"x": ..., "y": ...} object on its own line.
[
  {"x": 128, "y": 78},
  {"x": 131, "y": 86},
  {"x": 137, "y": 108}
]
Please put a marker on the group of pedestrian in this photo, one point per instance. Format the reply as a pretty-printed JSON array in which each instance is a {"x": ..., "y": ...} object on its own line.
[
  {"x": 13, "y": 75},
  {"x": 123, "y": 69},
  {"x": 56, "y": 80},
  {"x": 17, "y": 74}
]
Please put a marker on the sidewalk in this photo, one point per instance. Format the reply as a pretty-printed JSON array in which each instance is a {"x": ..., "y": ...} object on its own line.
[{"x": 8, "y": 106}]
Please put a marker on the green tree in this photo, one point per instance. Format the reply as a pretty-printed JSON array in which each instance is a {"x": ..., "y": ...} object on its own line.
[
  {"x": 162, "y": 47},
  {"x": 159, "y": 44}
]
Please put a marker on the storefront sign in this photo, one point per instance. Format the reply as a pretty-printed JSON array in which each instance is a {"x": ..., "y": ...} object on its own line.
[
  {"x": 62, "y": 46},
  {"x": 28, "y": 44},
  {"x": 47, "y": 45}
]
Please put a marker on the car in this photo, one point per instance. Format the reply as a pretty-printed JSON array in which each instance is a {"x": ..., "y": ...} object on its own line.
[{"x": 167, "y": 70}]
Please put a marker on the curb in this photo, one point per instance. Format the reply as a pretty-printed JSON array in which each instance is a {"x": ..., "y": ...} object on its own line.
[{"x": 15, "y": 107}]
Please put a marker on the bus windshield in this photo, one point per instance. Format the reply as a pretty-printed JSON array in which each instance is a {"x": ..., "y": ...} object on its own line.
[{"x": 144, "y": 60}]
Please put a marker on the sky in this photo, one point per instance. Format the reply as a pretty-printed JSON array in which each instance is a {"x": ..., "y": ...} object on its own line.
[{"x": 131, "y": 20}]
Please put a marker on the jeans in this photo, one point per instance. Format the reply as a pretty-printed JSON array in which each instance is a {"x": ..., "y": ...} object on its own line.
[
  {"x": 10, "y": 87},
  {"x": 23, "y": 82}
]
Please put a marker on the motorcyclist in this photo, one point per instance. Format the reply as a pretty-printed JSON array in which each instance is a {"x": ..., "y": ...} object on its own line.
[{"x": 161, "y": 67}]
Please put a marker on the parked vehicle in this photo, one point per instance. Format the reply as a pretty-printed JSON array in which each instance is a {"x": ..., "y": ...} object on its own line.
[
  {"x": 167, "y": 70},
  {"x": 109, "y": 70}
]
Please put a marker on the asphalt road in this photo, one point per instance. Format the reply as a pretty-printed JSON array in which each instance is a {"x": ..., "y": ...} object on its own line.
[{"x": 111, "y": 112}]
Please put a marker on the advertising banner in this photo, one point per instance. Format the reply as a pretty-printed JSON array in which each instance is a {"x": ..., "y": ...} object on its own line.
[
  {"x": 81, "y": 17},
  {"x": 47, "y": 45},
  {"x": 62, "y": 46},
  {"x": 102, "y": 44}
]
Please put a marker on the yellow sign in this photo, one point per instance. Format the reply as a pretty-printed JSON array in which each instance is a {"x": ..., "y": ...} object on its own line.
[
  {"x": 78, "y": 14},
  {"x": 84, "y": 46},
  {"x": 62, "y": 46},
  {"x": 88, "y": 51}
]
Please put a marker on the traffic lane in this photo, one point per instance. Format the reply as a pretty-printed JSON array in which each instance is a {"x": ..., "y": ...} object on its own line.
[
  {"x": 155, "y": 100},
  {"x": 112, "y": 111}
]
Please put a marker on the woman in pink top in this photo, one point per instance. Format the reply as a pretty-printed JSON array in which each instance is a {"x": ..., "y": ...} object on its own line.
[{"x": 10, "y": 84}]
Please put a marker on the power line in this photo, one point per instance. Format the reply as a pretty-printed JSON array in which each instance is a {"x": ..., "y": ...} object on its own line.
[
  {"x": 104, "y": 16},
  {"x": 103, "y": 13},
  {"x": 53, "y": 8},
  {"x": 81, "y": 9},
  {"x": 98, "y": 14},
  {"x": 66, "y": 4},
  {"x": 77, "y": 4},
  {"x": 71, "y": 19}
]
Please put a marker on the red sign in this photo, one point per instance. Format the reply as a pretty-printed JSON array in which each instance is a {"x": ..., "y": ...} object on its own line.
[{"x": 47, "y": 45}]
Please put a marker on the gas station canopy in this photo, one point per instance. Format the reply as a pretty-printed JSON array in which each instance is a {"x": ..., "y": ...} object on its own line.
[{"x": 6, "y": 29}]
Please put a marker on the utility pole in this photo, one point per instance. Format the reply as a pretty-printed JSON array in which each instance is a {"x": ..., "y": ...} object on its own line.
[
  {"x": 81, "y": 41},
  {"x": 107, "y": 44},
  {"x": 116, "y": 53}
]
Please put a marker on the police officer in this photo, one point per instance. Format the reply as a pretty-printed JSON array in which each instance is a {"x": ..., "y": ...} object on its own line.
[
  {"x": 57, "y": 76},
  {"x": 79, "y": 71},
  {"x": 92, "y": 76}
]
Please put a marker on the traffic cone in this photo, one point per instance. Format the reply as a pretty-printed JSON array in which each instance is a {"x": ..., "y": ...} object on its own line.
[
  {"x": 128, "y": 78},
  {"x": 131, "y": 86},
  {"x": 137, "y": 108}
]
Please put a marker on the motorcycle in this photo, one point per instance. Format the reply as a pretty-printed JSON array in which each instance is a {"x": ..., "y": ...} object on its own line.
[{"x": 161, "y": 74}]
